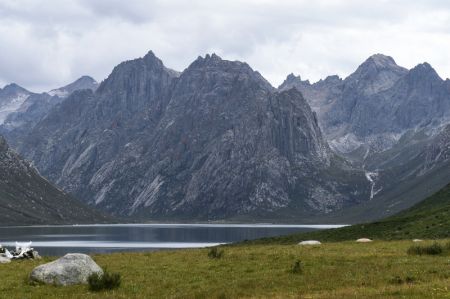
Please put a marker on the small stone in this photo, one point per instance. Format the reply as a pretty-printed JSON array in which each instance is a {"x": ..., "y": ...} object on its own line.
[
  {"x": 364, "y": 240},
  {"x": 417, "y": 240},
  {"x": 310, "y": 242}
]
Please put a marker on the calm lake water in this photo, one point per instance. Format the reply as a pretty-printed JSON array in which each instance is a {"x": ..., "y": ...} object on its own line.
[{"x": 58, "y": 240}]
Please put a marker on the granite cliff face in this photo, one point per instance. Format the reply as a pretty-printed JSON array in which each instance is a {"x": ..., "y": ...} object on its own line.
[
  {"x": 373, "y": 107},
  {"x": 26, "y": 198},
  {"x": 213, "y": 142}
]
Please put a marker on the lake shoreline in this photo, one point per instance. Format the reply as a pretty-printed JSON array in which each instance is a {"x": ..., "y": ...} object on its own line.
[{"x": 102, "y": 238}]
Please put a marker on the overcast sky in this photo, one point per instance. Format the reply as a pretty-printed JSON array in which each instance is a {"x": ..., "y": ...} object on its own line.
[{"x": 48, "y": 43}]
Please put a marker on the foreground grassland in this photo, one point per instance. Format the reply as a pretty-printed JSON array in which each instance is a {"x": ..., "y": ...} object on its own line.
[{"x": 332, "y": 270}]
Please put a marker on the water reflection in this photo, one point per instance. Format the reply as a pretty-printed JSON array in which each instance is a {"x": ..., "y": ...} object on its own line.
[{"x": 58, "y": 240}]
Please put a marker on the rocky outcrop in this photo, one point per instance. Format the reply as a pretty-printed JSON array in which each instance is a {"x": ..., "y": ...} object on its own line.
[
  {"x": 71, "y": 269},
  {"x": 216, "y": 141}
]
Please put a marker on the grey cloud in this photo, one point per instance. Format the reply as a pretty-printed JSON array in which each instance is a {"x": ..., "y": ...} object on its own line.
[{"x": 45, "y": 44}]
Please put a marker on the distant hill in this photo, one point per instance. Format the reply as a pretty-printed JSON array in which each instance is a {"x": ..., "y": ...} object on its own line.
[{"x": 430, "y": 219}]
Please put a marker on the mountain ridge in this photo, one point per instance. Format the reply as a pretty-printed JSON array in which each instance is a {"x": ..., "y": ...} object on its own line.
[
  {"x": 213, "y": 142},
  {"x": 218, "y": 141}
]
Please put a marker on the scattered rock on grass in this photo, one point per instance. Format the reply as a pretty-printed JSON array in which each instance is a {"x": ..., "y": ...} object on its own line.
[
  {"x": 364, "y": 240},
  {"x": 309, "y": 242},
  {"x": 4, "y": 260},
  {"x": 73, "y": 268}
]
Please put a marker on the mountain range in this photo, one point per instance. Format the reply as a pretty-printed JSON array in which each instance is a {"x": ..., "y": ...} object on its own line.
[
  {"x": 217, "y": 141},
  {"x": 393, "y": 123}
]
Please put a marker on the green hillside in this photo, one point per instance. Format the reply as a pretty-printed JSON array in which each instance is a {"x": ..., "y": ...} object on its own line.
[{"x": 430, "y": 219}]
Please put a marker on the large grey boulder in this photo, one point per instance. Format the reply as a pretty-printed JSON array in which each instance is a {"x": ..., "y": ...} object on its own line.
[{"x": 73, "y": 268}]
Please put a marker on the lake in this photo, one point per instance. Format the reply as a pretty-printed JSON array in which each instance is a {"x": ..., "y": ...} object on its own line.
[{"x": 61, "y": 239}]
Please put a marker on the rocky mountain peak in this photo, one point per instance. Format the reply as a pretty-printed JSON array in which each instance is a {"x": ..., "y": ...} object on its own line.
[
  {"x": 379, "y": 72},
  {"x": 151, "y": 61},
  {"x": 424, "y": 71},
  {"x": 136, "y": 74},
  {"x": 374, "y": 65},
  {"x": 381, "y": 61},
  {"x": 329, "y": 81},
  {"x": 291, "y": 78},
  {"x": 333, "y": 78},
  {"x": 215, "y": 69},
  {"x": 293, "y": 81},
  {"x": 13, "y": 89},
  {"x": 214, "y": 61},
  {"x": 84, "y": 82}
]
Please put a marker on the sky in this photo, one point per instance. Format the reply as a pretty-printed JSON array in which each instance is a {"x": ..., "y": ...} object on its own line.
[{"x": 48, "y": 44}]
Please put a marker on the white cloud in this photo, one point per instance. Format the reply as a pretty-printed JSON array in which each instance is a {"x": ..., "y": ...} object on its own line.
[{"x": 45, "y": 44}]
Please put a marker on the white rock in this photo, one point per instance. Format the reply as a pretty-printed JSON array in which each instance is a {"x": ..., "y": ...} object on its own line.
[
  {"x": 310, "y": 242},
  {"x": 417, "y": 240},
  {"x": 4, "y": 260},
  {"x": 363, "y": 240},
  {"x": 73, "y": 268},
  {"x": 23, "y": 247},
  {"x": 8, "y": 254}
]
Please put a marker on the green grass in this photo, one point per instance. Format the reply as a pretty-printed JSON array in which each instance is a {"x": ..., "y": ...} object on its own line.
[
  {"x": 106, "y": 281},
  {"x": 332, "y": 270},
  {"x": 433, "y": 249},
  {"x": 430, "y": 219}
]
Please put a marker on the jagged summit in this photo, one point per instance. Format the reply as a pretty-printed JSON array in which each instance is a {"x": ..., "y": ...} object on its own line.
[
  {"x": 293, "y": 81},
  {"x": 332, "y": 78},
  {"x": 13, "y": 88},
  {"x": 150, "y": 60},
  {"x": 84, "y": 82},
  {"x": 214, "y": 60},
  {"x": 423, "y": 71},
  {"x": 381, "y": 60},
  {"x": 136, "y": 74},
  {"x": 225, "y": 69},
  {"x": 85, "y": 79},
  {"x": 379, "y": 72},
  {"x": 375, "y": 65}
]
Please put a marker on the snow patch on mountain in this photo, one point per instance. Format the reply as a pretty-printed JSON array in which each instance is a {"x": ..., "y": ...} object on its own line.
[
  {"x": 59, "y": 93},
  {"x": 11, "y": 106}
]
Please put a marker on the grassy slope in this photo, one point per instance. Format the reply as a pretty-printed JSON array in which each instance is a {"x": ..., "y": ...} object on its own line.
[
  {"x": 333, "y": 270},
  {"x": 26, "y": 198},
  {"x": 430, "y": 219}
]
